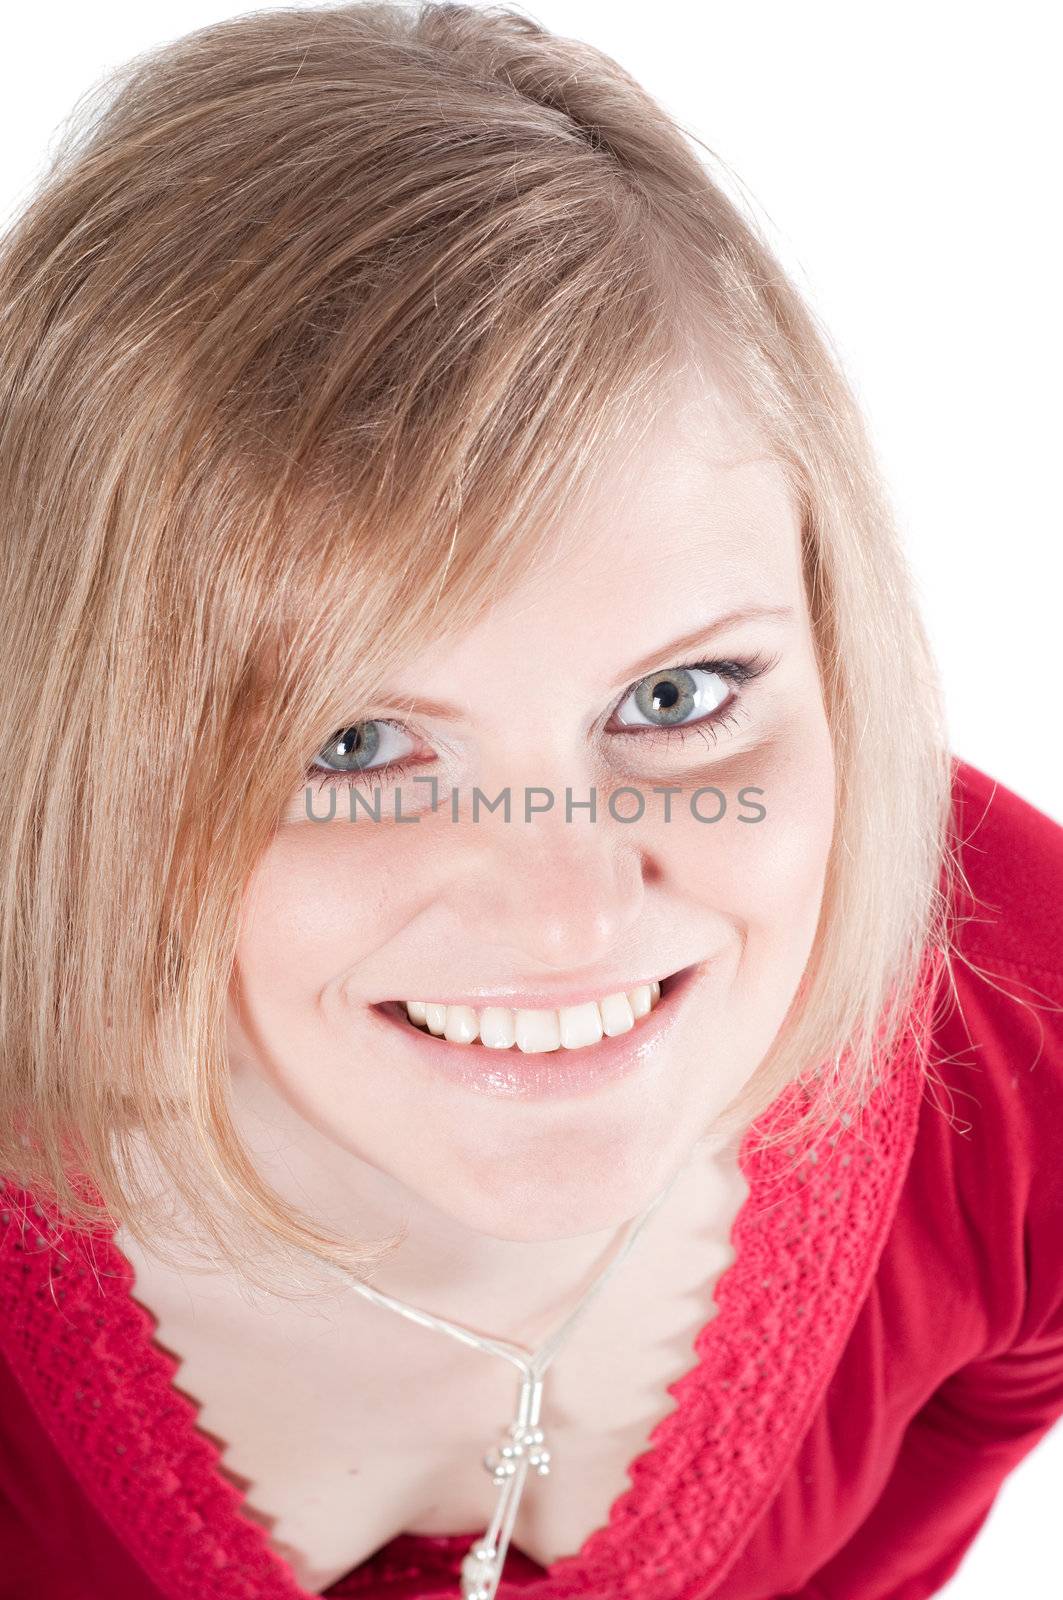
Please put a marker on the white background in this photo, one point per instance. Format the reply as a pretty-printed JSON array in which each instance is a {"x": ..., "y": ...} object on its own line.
[{"x": 904, "y": 160}]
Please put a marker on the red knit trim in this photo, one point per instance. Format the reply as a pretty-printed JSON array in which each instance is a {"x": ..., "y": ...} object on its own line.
[{"x": 806, "y": 1245}]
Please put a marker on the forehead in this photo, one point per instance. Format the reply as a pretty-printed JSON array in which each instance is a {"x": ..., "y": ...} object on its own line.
[
  {"x": 697, "y": 506},
  {"x": 688, "y": 519}
]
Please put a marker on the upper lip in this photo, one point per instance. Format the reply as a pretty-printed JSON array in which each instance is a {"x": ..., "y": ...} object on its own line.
[{"x": 539, "y": 999}]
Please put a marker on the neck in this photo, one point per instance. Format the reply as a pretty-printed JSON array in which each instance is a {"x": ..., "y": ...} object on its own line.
[{"x": 515, "y": 1289}]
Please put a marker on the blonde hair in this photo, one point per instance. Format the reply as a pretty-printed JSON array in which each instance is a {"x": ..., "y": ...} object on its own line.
[{"x": 316, "y": 321}]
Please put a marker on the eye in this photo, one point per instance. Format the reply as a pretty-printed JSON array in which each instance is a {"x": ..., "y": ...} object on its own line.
[
  {"x": 679, "y": 697},
  {"x": 700, "y": 695},
  {"x": 363, "y": 747}
]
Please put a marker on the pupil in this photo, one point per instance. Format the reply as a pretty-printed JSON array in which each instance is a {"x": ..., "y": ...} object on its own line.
[
  {"x": 352, "y": 749},
  {"x": 665, "y": 696}
]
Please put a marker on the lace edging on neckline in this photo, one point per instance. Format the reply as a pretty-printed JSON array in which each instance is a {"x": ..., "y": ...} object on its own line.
[{"x": 805, "y": 1245}]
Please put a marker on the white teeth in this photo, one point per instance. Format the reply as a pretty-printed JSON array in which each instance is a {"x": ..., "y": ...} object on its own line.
[
  {"x": 534, "y": 1032},
  {"x": 538, "y": 1031},
  {"x": 498, "y": 1027},
  {"x": 618, "y": 1014},
  {"x": 581, "y": 1025},
  {"x": 641, "y": 1000},
  {"x": 462, "y": 1025}
]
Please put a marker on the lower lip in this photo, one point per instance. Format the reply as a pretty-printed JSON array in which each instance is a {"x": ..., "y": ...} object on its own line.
[{"x": 547, "y": 1074}]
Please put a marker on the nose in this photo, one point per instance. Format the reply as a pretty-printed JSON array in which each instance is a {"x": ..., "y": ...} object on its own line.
[{"x": 554, "y": 895}]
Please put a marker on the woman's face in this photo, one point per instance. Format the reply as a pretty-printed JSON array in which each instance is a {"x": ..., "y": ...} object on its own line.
[{"x": 569, "y": 683}]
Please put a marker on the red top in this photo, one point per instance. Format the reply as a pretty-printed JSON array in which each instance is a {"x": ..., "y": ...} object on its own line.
[{"x": 888, "y": 1342}]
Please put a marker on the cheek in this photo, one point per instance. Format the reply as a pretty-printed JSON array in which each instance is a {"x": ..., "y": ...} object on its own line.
[
  {"x": 765, "y": 877},
  {"x": 324, "y": 897}
]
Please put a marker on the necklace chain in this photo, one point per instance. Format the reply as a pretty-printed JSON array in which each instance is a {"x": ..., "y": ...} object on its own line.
[{"x": 522, "y": 1449}]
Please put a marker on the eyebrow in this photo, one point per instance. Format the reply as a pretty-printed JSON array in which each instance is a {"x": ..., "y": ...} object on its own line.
[
  {"x": 694, "y": 639},
  {"x": 701, "y": 636}
]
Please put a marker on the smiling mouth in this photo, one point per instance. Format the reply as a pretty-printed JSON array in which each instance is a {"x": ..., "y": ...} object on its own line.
[{"x": 507, "y": 1031}]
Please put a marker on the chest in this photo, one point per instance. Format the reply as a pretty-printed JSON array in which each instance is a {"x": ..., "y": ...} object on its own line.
[{"x": 344, "y": 1430}]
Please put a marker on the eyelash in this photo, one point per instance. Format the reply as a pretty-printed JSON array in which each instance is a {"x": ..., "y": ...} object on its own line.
[{"x": 738, "y": 671}]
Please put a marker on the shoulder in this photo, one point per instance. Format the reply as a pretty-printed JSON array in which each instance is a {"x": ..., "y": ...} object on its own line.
[
  {"x": 1010, "y": 891},
  {"x": 1002, "y": 1006},
  {"x": 991, "y": 1130}
]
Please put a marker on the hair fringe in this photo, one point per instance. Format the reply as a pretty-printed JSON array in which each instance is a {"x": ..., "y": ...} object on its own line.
[{"x": 244, "y": 342}]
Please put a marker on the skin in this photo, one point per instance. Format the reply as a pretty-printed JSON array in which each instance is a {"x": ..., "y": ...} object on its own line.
[{"x": 512, "y": 1203}]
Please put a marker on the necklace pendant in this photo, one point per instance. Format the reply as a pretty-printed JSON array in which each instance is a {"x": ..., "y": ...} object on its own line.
[
  {"x": 520, "y": 1441},
  {"x": 478, "y": 1571}
]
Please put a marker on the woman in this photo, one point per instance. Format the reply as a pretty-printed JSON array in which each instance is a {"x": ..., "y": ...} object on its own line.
[{"x": 500, "y": 965}]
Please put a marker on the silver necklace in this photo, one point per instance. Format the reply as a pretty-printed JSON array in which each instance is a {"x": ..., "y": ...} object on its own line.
[{"x": 522, "y": 1448}]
